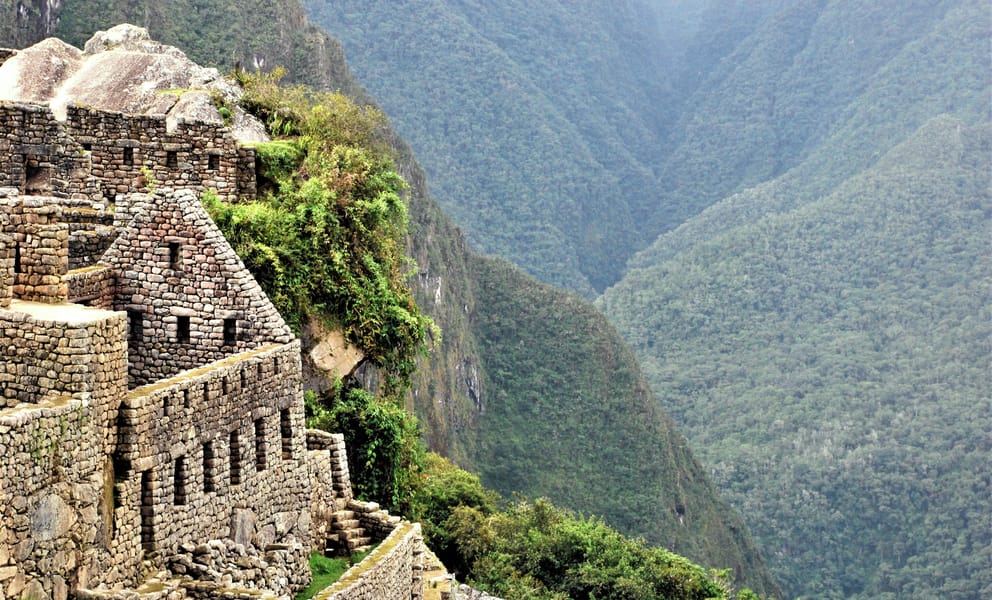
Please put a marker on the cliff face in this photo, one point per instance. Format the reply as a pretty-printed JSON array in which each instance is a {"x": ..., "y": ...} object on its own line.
[{"x": 528, "y": 384}]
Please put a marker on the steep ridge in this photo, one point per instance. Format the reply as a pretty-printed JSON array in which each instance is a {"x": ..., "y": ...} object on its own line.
[
  {"x": 536, "y": 121},
  {"x": 806, "y": 331},
  {"x": 453, "y": 393},
  {"x": 831, "y": 366}
]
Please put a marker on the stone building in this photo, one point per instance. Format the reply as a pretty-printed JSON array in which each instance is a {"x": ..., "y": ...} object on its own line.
[{"x": 152, "y": 434}]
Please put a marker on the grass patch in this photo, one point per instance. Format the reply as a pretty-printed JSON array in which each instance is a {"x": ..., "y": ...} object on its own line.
[{"x": 326, "y": 571}]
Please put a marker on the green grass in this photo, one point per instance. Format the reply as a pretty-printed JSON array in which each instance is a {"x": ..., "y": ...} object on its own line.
[{"x": 328, "y": 570}]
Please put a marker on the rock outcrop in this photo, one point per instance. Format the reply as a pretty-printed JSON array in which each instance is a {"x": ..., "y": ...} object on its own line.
[{"x": 124, "y": 70}]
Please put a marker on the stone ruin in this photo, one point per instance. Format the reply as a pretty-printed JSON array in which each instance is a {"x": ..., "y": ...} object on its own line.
[{"x": 152, "y": 431}]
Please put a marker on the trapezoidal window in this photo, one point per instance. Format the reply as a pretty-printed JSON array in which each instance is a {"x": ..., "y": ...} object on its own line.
[
  {"x": 128, "y": 157},
  {"x": 175, "y": 255},
  {"x": 259, "y": 445},
  {"x": 147, "y": 512},
  {"x": 172, "y": 159},
  {"x": 230, "y": 331},
  {"x": 235, "y": 448},
  {"x": 182, "y": 330},
  {"x": 179, "y": 482},
  {"x": 286, "y": 430},
  {"x": 136, "y": 327},
  {"x": 209, "y": 468}
]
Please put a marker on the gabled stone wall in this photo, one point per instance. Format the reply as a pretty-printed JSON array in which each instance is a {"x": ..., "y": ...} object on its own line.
[{"x": 190, "y": 299}]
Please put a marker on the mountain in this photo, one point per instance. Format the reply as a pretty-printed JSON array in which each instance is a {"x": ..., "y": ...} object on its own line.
[
  {"x": 748, "y": 112},
  {"x": 503, "y": 333},
  {"x": 823, "y": 336},
  {"x": 536, "y": 121}
]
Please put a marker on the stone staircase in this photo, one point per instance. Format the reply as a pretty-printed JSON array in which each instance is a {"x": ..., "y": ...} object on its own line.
[{"x": 346, "y": 534}]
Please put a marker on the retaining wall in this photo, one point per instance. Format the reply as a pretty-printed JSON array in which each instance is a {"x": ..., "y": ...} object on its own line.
[{"x": 394, "y": 570}]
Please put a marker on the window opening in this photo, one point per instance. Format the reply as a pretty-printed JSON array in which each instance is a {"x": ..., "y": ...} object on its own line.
[
  {"x": 213, "y": 162},
  {"x": 129, "y": 156},
  {"x": 172, "y": 159},
  {"x": 230, "y": 331},
  {"x": 37, "y": 179},
  {"x": 17, "y": 258},
  {"x": 186, "y": 398},
  {"x": 259, "y": 445},
  {"x": 206, "y": 391},
  {"x": 182, "y": 330},
  {"x": 235, "y": 443},
  {"x": 179, "y": 482},
  {"x": 135, "y": 325},
  {"x": 175, "y": 255},
  {"x": 244, "y": 378},
  {"x": 286, "y": 428},
  {"x": 209, "y": 468},
  {"x": 147, "y": 512},
  {"x": 87, "y": 146}
]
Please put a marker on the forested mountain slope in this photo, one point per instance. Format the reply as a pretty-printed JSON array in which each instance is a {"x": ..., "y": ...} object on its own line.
[
  {"x": 503, "y": 333},
  {"x": 831, "y": 364},
  {"x": 535, "y": 120},
  {"x": 846, "y": 311},
  {"x": 582, "y": 131}
]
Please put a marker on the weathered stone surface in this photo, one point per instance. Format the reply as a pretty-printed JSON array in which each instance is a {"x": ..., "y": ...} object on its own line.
[
  {"x": 333, "y": 354},
  {"x": 242, "y": 526},
  {"x": 52, "y": 518},
  {"x": 121, "y": 70}
]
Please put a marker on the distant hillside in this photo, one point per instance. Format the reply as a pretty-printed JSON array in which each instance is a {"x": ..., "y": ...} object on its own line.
[
  {"x": 463, "y": 393},
  {"x": 823, "y": 335},
  {"x": 537, "y": 122},
  {"x": 831, "y": 364}
]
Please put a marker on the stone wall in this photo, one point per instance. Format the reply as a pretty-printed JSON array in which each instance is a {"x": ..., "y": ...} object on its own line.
[
  {"x": 37, "y": 157},
  {"x": 98, "y": 155},
  {"x": 49, "y": 488},
  {"x": 92, "y": 286},
  {"x": 6, "y": 265},
  {"x": 330, "y": 479},
  {"x": 40, "y": 248},
  {"x": 61, "y": 386},
  {"x": 190, "y": 299},
  {"x": 216, "y": 452},
  {"x": 394, "y": 570},
  {"x": 129, "y": 153}
]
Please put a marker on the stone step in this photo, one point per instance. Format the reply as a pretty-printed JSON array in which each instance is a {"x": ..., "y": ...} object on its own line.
[
  {"x": 348, "y": 524},
  {"x": 342, "y": 515},
  {"x": 350, "y": 534}
]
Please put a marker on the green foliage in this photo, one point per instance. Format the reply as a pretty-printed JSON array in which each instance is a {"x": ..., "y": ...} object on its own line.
[
  {"x": 444, "y": 488},
  {"x": 570, "y": 415},
  {"x": 541, "y": 552},
  {"x": 325, "y": 239},
  {"x": 326, "y": 571},
  {"x": 535, "y": 120},
  {"x": 384, "y": 449}
]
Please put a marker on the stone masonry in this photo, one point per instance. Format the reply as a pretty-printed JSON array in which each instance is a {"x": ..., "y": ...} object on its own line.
[{"x": 152, "y": 429}]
